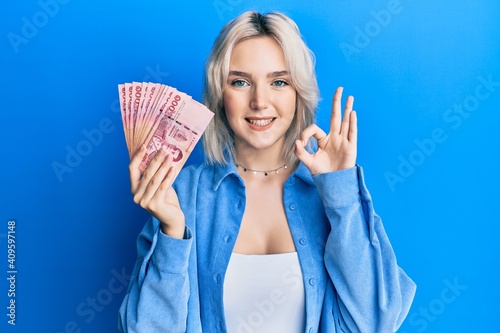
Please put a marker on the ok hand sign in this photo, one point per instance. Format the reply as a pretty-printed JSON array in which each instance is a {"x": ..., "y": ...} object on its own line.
[{"x": 337, "y": 150}]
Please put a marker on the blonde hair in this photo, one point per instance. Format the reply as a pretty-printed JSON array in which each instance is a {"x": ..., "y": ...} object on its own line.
[{"x": 218, "y": 139}]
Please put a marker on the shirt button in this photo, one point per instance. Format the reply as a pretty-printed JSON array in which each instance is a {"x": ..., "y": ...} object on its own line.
[
  {"x": 312, "y": 282},
  {"x": 311, "y": 330},
  {"x": 227, "y": 238},
  {"x": 292, "y": 207},
  {"x": 302, "y": 241},
  {"x": 217, "y": 278},
  {"x": 292, "y": 181}
]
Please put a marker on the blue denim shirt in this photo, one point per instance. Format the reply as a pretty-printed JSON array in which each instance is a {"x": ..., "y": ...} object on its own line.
[{"x": 351, "y": 279}]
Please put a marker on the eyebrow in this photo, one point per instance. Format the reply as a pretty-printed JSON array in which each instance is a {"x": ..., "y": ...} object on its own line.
[{"x": 249, "y": 76}]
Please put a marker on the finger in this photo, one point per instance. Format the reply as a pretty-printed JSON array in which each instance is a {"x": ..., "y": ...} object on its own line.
[
  {"x": 335, "y": 117},
  {"x": 135, "y": 173},
  {"x": 312, "y": 131},
  {"x": 302, "y": 154},
  {"x": 347, "y": 111},
  {"x": 167, "y": 181},
  {"x": 148, "y": 174},
  {"x": 157, "y": 180},
  {"x": 353, "y": 128}
]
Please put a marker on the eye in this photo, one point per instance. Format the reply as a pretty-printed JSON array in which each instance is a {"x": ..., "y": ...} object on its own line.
[
  {"x": 280, "y": 83},
  {"x": 239, "y": 83}
]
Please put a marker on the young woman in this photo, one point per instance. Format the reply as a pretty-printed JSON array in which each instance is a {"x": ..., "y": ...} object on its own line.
[{"x": 266, "y": 235}]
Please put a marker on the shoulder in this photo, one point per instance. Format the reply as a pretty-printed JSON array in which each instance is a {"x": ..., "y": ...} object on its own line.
[
  {"x": 190, "y": 170},
  {"x": 193, "y": 176},
  {"x": 190, "y": 174}
]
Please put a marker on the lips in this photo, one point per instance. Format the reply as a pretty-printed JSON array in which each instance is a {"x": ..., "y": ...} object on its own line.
[{"x": 261, "y": 122}]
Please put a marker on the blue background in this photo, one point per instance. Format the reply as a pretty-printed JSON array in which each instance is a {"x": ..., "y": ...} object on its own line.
[{"x": 409, "y": 71}]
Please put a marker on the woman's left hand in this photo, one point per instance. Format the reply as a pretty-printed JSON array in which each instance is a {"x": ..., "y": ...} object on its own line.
[{"x": 337, "y": 150}]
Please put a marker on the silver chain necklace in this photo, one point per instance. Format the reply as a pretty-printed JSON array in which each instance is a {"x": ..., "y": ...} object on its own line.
[{"x": 245, "y": 169}]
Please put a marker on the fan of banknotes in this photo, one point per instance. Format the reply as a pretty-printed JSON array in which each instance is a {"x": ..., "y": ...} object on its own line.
[{"x": 161, "y": 117}]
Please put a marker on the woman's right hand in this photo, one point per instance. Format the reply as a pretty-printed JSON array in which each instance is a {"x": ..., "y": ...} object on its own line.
[{"x": 153, "y": 191}]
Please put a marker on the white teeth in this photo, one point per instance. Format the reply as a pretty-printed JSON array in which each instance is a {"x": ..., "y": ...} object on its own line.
[{"x": 260, "y": 122}]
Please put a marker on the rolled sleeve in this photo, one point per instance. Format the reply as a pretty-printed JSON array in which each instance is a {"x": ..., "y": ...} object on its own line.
[
  {"x": 346, "y": 185},
  {"x": 171, "y": 254}
]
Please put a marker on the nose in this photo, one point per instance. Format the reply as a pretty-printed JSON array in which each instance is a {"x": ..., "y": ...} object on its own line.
[{"x": 259, "y": 99}]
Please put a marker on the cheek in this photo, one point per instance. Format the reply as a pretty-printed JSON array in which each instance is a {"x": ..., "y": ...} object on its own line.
[
  {"x": 289, "y": 105},
  {"x": 228, "y": 105},
  {"x": 229, "y": 109},
  {"x": 232, "y": 104}
]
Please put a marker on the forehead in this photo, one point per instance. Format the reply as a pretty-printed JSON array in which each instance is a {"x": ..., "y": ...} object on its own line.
[{"x": 258, "y": 54}]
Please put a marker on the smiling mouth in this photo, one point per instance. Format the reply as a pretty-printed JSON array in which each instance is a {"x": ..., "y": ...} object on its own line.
[{"x": 260, "y": 122}]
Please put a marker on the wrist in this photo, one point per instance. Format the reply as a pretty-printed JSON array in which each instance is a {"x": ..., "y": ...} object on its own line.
[{"x": 175, "y": 232}]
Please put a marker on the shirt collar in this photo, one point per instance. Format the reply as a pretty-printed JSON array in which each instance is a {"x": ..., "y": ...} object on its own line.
[
  {"x": 303, "y": 173},
  {"x": 221, "y": 171}
]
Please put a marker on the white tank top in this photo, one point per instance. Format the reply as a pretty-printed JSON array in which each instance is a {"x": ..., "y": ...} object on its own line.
[{"x": 264, "y": 293}]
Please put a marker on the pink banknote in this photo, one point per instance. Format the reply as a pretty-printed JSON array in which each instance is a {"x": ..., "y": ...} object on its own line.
[{"x": 161, "y": 117}]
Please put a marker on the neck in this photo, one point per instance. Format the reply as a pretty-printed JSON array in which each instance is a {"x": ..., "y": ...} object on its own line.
[
  {"x": 266, "y": 173},
  {"x": 260, "y": 159},
  {"x": 262, "y": 165}
]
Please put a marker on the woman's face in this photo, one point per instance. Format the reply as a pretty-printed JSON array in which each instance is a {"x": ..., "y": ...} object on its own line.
[{"x": 258, "y": 98}]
